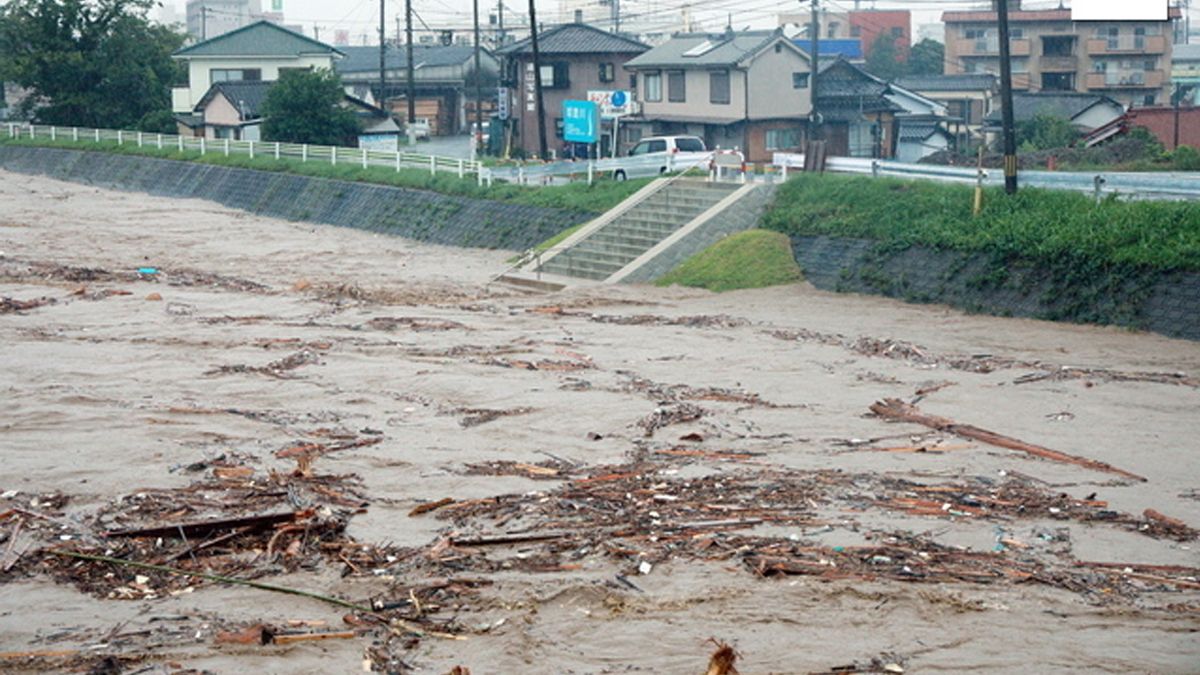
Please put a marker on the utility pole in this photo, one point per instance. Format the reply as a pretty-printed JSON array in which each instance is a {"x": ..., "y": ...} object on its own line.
[
  {"x": 316, "y": 32},
  {"x": 203, "y": 22},
  {"x": 1006, "y": 102},
  {"x": 382, "y": 52},
  {"x": 500, "y": 23},
  {"x": 814, "y": 32},
  {"x": 478, "y": 135},
  {"x": 537, "y": 81},
  {"x": 616, "y": 15},
  {"x": 412, "y": 85}
]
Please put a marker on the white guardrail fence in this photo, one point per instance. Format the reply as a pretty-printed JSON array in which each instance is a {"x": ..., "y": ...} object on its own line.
[
  {"x": 296, "y": 151},
  {"x": 1132, "y": 185}
]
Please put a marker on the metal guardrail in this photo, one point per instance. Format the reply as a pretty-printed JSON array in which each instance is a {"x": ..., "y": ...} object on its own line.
[
  {"x": 648, "y": 165},
  {"x": 1127, "y": 184},
  {"x": 334, "y": 155}
]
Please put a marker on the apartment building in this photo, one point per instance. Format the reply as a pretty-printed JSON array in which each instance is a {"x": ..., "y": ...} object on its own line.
[{"x": 1129, "y": 61}]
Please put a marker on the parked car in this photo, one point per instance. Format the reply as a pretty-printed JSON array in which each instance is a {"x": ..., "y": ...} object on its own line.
[{"x": 685, "y": 149}]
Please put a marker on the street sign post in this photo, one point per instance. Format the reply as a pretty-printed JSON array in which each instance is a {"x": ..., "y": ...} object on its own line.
[{"x": 613, "y": 104}]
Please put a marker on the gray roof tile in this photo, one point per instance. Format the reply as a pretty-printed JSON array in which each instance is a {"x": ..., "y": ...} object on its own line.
[
  {"x": 962, "y": 82},
  {"x": 727, "y": 49},
  {"x": 261, "y": 38},
  {"x": 576, "y": 38}
]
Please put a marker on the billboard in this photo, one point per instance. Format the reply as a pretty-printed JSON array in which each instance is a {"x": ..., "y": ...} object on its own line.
[
  {"x": 581, "y": 121},
  {"x": 612, "y": 103},
  {"x": 1118, "y": 10}
]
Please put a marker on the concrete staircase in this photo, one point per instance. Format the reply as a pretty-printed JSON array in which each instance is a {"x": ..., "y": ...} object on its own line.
[{"x": 629, "y": 235}]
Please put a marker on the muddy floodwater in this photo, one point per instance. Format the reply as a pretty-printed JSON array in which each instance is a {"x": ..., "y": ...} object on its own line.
[{"x": 600, "y": 480}]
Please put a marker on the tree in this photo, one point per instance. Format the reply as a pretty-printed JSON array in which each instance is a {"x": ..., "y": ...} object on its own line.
[
  {"x": 1045, "y": 132},
  {"x": 927, "y": 57},
  {"x": 305, "y": 106},
  {"x": 97, "y": 63},
  {"x": 884, "y": 59}
]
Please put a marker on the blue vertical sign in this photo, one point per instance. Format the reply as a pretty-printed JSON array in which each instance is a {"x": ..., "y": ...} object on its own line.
[{"x": 581, "y": 121}]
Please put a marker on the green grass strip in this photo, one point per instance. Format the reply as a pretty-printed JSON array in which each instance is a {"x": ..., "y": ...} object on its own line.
[{"x": 750, "y": 259}]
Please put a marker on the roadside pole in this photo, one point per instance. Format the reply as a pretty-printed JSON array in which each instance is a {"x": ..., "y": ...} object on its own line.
[{"x": 1006, "y": 102}]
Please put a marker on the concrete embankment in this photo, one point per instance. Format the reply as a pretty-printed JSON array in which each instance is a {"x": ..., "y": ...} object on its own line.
[
  {"x": 416, "y": 214},
  {"x": 1163, "y": 302}
]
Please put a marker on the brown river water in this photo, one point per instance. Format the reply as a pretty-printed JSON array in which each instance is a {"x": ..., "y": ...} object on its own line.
[{"x": 95, "y": 390}]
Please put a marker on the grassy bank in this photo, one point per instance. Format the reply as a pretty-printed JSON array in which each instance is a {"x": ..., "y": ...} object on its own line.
[
  {"x": 596, "y": 198},
  {"x": 1056, "y": 228},
  {"x": 750, "y": 259}
]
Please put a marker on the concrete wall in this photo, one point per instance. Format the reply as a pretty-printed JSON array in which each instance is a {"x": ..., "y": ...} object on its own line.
[
  {"x": 416, "y": 214},
  {"x": 1166, "y": 303}
]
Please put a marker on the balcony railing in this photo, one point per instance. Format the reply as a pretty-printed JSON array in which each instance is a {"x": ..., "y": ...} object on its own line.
[
  {"x": 1126, "y": 79},
  {"x": 1128, "y": 44},
  {"x": 991, "y": 47}
]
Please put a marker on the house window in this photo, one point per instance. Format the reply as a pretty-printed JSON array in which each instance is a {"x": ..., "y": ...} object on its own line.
[
  {"x": 855, "y": 31},
  {"x": 676, "y": 86},
  {"x": 897, "y": 32},
  {"x": 1139, "y": 38},
  {"x": 1113, "y": 35},
  {"x": 1016, "y": 33},
  {"x": 799, "y": 80},
  {"x": 608, "y": 72},
  {"x": 235, "y": 75},
  {"x": 831, "y": 30},
  {"x": 1149, "y": 64},
  {"x": 718, "y": 86},
  {"x": 633, "y": 81},
  {"x": 556, "y": 75},
  {"x": 783, "y": 139},
  {"x": 1148, "y": 99},
  {"x": 653, "y": 86}
]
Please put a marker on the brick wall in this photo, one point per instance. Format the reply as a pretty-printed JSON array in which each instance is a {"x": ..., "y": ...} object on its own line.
[{"x": 1161, "y": 123}]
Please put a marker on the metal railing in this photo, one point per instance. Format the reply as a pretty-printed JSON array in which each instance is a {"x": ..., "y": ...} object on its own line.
[
  {"x": 333, "y": 155},
  {"x": 1126, "y": 184}
]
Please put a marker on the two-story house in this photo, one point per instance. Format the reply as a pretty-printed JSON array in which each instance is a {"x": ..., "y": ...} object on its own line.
[
  {"x": 575, "y": 59},
  {"x": 747, "y": 90},
  {"x": 257, "y": 52}
]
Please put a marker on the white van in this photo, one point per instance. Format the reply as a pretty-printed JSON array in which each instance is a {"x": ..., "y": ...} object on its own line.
[{"x": 686, "y": 149}]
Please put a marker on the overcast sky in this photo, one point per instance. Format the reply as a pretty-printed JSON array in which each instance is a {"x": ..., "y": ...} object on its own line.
[{"x": 362, "y": 16}]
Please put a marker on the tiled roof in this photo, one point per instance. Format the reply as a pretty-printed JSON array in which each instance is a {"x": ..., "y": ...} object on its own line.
[
  {"x": 963, "y": 82},
  {"x": 246, "y": 97},
  {"x": 726, "y": 49},
  {"x": 918, "y": 131},
  {"x": 576, "y": 38},
  {"x": 261, "y": 38},
  {"x": 366, "y": 59},
  {"x": 1026, "y": 106}
]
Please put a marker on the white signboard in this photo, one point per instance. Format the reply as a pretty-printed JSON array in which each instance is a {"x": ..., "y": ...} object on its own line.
[
  {"x": 612, "y": 103},
  {"x": 1119, "y": 10}
]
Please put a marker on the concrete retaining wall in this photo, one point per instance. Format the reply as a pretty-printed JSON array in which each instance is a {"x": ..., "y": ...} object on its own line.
[
  {"x": 416, "y": 214},
  {"x": 1166, "y": 303}
]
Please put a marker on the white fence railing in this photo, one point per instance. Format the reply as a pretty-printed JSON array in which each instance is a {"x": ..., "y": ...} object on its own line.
[{"x": 224, "y": 146}]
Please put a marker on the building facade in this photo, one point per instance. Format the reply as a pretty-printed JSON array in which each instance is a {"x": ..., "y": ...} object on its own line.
[
  {"x": 863, "y": 26},
  {"x": 747, "y": 90},
  {"x": 575, "y": 59},
  {"x": 1129, "y": 61},
  {"x": 209, "y": 18},
  {"x": 258, "y": 52}
]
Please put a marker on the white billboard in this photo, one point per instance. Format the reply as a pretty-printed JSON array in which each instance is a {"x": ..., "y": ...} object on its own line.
[{"x": 1118, "y": 10}]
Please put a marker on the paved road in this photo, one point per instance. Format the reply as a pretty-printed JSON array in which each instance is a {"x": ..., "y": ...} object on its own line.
[{"x": 458, "y": 147}]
